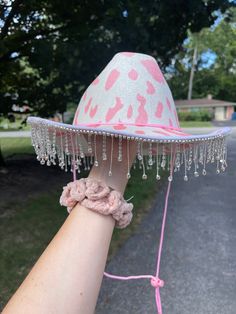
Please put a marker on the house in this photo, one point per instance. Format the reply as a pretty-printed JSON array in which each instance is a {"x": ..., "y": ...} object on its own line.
[{"x": 220, "y": 109}]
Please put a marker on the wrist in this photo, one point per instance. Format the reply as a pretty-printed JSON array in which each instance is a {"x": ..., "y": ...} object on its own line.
[
  {"x": 117, "y": 180},
  {"x": 112, "y": 172}
]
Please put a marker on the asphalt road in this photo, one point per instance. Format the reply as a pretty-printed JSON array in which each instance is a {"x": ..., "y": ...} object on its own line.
[{"x": 199, "y": 255}]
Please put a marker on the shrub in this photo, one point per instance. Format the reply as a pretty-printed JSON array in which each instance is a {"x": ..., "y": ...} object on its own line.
[{"x": 201, "y": 115}]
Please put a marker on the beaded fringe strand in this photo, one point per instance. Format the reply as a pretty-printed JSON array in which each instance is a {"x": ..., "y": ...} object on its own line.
[{"x": 70, "y": 148}]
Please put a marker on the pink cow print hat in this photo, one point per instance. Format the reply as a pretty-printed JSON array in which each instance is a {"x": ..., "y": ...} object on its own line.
[
  {"x": 131, "y": 96},
  {"x": 129, "y": 100}
]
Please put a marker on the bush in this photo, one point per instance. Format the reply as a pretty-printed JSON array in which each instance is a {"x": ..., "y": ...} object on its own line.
[{"x": 201, "y": 115}]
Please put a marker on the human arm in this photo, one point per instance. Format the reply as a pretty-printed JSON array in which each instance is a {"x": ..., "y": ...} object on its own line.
[{"x": 67, "y": 277}]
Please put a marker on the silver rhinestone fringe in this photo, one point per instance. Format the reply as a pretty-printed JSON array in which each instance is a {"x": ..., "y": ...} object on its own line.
[{"x": 77, "y": 149}]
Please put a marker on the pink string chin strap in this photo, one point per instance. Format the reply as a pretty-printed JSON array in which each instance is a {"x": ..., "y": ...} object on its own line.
[{"x": 155, "y": 281}]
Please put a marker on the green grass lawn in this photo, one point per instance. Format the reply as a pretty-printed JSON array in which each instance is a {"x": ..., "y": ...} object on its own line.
[
  {"x": 27, "y": 227},
  {"x": 25, "y": 231},
  {"x": 195, "y": 124},
  {"x": 11, "y": 128},
  {"x": 5, "y": 125},
  {"x": 19, "y": 145}
]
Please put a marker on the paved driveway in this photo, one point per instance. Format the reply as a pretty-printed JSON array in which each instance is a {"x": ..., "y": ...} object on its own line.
[
  {"x": 199, "y": 256},
  {"x": 15, "y": 134}
]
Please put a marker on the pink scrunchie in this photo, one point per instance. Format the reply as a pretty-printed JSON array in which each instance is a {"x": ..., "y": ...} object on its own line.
[{"x": 97, "y": 196}]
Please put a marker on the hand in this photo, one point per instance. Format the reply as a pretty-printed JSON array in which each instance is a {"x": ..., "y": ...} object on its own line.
[{"x": 119, "y": 169}]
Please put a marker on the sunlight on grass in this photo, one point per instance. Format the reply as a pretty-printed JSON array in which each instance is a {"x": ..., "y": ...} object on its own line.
[
  {"x": 6, "y": 125},
  {"x": 16, "y": 145},
  {"x": 25, "y": 231},
  {"x": 195, "y": 124}
]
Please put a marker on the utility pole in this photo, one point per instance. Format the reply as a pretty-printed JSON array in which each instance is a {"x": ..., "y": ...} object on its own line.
[{"x": 194, "y": 62}]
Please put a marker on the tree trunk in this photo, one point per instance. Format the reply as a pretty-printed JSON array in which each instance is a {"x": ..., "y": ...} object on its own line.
[
  {"x": 2, "y": 161},
  {"x": 3, "y": 168},
  {"x": 190, "y": 85}
]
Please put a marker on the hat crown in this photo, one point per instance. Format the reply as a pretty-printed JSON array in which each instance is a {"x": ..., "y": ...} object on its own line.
[{"x": 131, "y": 89}]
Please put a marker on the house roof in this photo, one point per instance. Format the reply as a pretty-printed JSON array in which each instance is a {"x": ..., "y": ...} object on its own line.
[{"x": 203, "y": 102}]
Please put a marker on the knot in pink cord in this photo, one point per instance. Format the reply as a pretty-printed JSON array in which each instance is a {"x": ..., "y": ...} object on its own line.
[{"x": 157, "y": 283}]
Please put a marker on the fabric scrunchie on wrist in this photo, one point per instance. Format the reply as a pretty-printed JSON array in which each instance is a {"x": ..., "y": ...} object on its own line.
[{"x": 97, "y": 196}]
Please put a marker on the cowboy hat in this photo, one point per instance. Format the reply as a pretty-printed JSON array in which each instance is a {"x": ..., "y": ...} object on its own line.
[{"x": 129, "y": 100}]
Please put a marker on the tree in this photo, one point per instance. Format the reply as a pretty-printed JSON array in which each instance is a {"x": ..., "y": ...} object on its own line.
[
  {"x": 53, "y": 37},
  {"x": 51, "y": 50},
  {"x": 216, "y": 77}
]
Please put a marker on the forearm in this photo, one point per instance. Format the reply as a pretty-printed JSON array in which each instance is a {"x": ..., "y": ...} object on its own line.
[{"x": 68, "y": 275}]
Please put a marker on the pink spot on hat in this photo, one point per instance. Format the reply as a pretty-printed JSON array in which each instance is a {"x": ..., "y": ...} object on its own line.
[
  {"x": 133, "y": 75},
  {"x": 96, "y": 81},
  {"x": 119, "y": 127},
  {"x": 112, "y": 78},
  {"x": 111, "y": 112},
  {"x": 130, "y": 112},
  {"x": 142, "y": 117},
  {"x": 139, "y": 132},
  {"x": 84, "y": 95},
  {"x": 168, "y": 103},
  {"x": 170, "y": 123},
  {"x": 161, "y": 132},
  {"x": 179, "y": 133},
  {"x": 176, "y": 118},
  {"x": 93, "y": 111},
  {"x": 75, "y": 122},
  {"x": 153, "y": 69},
  {"x": 159, "y": 110},
  {"x": 95, "y": 125},
  {"x": 128, "y": 54},
  {"x": 150, "y": 88},
  {"x": 86, "y": 108}
]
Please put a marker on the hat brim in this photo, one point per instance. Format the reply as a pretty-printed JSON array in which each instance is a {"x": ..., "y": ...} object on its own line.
[
  {"x": 68, "y": 145},
  {"x": 145, "y": 133}
]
